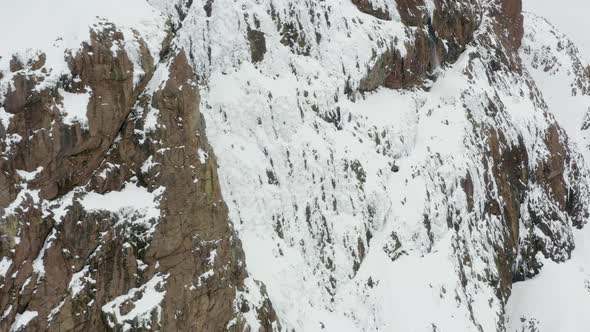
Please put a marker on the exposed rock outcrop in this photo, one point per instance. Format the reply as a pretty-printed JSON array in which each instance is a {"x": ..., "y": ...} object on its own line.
[
  {"x": 435, "y": 38},
  {"x": 175, "y": 264},
  {"x": 368, "y": 7}
]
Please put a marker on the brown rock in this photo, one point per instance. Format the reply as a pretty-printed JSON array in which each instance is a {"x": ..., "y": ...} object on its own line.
[
  {"x": 105, "y": 255},
  {"x": 413, "y": 12},
  {"x": 367, "y": 7},
  {"x": 433, "y": 42}
]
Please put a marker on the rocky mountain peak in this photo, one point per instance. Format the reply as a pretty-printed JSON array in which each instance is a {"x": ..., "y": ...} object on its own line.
[{"x": 337, "y": 165}]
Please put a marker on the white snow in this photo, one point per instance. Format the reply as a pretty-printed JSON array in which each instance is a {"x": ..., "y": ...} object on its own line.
[
  {"x": 130, "y": 197},
  {"x": 148, "y": 164},
  {"x": 335, "y": 194},
  {"x": 60, "y": 206},
  {"x": 38, "y": 263},
  {"x": 75, "y": 107},
  {"x": 136, "y": 19},
  {"x": 134, "y": 204},
  {"x": 558, "y": 299},
  {"x": 202, "y": 156},
  {"x": 5, "y": 118},
  {"x": 28, "y": 176},
  {"x": 72, "y": 27},
  {"x": 204, "y": 276},
  {"x": 22, "y": 320},
  {"x": 5, "y": 264},
  {"x": 78, "y": 281},
  {"x": 23, "y": 195},
  {"x": 106, "y": 169},
  {"x": 152, "y": 114},
  {"x": 261, "y": 120},
  {"x": 10, "y": 140},
  {"x": 301, "y": 232},
  {"x": 569, "y": 16},
  {"x": 551, "y": 64},
  {"x": 6, "y": 312},
  {"x": 55, "y": 310},
  {"x": 143, "y": 307}
]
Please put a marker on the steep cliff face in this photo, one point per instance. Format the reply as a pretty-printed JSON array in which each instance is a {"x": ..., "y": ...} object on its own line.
[
  {"x": 563, "y": 77},
  {"x": 113, "y": 217},
  {"x": 366, "y": 165}
]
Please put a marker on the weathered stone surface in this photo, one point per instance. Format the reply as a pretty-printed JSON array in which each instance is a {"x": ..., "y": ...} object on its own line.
[
  {"x": 413, "y": 12},
  {"x": 510, "y": 24},
  {"x": 453, "y": 24},
  {"x": 531, "y": 226},
  {"x": 257, "y": 45},
  {"x": 396, "y": 72},
  {"x": 69, "y": 269},
  {"x": 68, "y": 153},
  {"x": 367, "y": 7}
]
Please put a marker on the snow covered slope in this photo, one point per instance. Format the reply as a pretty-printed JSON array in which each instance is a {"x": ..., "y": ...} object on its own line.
[
  {"x": 567, "y": 16},
  {"x": 365, "y": 213},
  {"x": 366, "y": 165},
  {"x": 558, "y": 299}
]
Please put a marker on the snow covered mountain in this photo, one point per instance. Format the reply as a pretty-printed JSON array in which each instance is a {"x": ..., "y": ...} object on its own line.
[
  {"x": 566, "y": 21},
  {"x": 334, "y": 165}
]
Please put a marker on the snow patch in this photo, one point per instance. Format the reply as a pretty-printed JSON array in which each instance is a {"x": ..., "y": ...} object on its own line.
[
  {"x": 38, "y": 263},
  {"x": 5, "y": 264},
  {"x": 558, "y": 298},
  {"x": 79, "y": 279},
  {"x": 145, "y": 300},
  {"x": 202, "y": 156},
  {"x": 5, "y": 118},
  {"x": 28, "y": 176},
  {"x": 22, "y": 320},
  {"x": 75, "y": 106},
  {"x": 134, "y": 205},
  {"x": 130, "y": 197}
]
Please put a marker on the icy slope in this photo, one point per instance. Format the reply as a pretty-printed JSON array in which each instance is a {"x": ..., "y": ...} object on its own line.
[
  {"x": 558, "y": 299},
  {"x": 366, "y": 165},
  {"x": 567, "y": 18},
  {"x": 563, "y": 76},
  {"x": 392, "y": 210}
]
